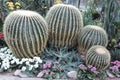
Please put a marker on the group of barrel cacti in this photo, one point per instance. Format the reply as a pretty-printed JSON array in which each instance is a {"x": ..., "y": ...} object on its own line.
[{"x": 27, "y": 34}]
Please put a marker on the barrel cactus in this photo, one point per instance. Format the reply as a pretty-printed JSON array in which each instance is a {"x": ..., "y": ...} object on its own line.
[
  {"x": 92, "y": 35},
  {"x": 98, "y": 56},
  {"x": 26, "y": 33},
  {"x": 65, "y": 22}
]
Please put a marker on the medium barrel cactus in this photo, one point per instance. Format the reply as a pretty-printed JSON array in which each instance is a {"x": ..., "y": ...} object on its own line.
[
  {"x": 92, "y": 35},
  {"x": 65, "y": 22},
  {"x": 26, "y": 33},
  {"x": 98, "y": 56}
]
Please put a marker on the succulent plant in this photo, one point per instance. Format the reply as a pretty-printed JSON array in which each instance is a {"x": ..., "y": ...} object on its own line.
[
  {"x": 26, "y": 33},
  {"x": 92, "y": 35},
  {"x": 98, "y": 56},
  {"x": 115, "y": 54},
  {"x": 65, "y": 22}
]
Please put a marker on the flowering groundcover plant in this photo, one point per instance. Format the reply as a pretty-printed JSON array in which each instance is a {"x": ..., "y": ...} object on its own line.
[
  {"x": 115, "y": 68},
  {"x": 89, "y": 73},
  {"x": 9, "y": 62},
  {"x": 51, "y": 70}
]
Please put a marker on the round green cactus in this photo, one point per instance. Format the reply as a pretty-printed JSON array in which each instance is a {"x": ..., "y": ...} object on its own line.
[
  {"x": 26, "y": 33},
  {"x": 65, "y": 22},
  {"x": 98, "y": 56},
  {"x": 92, "y": 35}
]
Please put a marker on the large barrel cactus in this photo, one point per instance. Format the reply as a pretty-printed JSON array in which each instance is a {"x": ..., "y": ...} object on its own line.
[
  {"x": 92, "y": 35},
  {"x": 65, "y": 22},
  {"x": 98, "y": 56},
  {"x": 26, "y": 33}
]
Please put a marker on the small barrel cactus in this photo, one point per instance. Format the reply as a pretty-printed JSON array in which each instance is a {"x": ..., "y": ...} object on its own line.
[
  {"x": 92, "y": 35},
  {"x": 65, "y": 22},
  {"x": 98, "y": 56},
  {"x": 26, "y": 33}
]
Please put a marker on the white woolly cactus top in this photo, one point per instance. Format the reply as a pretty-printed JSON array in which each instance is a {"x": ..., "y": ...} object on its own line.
[{"x": 100, "y": 51}]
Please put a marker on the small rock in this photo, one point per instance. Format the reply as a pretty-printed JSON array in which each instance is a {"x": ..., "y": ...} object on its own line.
[
  {"x": 20, "y": 74},
  {"x": 40, "y": 74},
  {"x": 110, "y": 74},
  {"x": 72, "y": 74}
]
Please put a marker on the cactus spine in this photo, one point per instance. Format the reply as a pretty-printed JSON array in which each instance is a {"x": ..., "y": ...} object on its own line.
[
  {"x": 65, "y": 22},
  {"x": 98, "y": 56},
  {"x": 92, "y": 35},
  {"x": 26, "y": 33}
]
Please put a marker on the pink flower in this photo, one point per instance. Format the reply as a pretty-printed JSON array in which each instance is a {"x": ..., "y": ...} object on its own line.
[
  {"x": 93, "y": 69},
  {"x": 52, "y": 73},
  {"x": 115, "y": 62},
  {"x": 90, "y": 66},
  {"x": 114, "y": 68},
  {"x": 45, "y": 72},
  {"x": 44, "y": 66},
  {"x": 49, "y": 64},
  {"x": 83, "y": 67}
]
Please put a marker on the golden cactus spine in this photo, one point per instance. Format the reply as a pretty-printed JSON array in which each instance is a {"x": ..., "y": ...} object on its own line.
[
  {"x": 92, "y": 35},
  {"x": 26, "y": 33},
  {"x": 98, "y": 56},
  {"x": 65, "y": 22}
]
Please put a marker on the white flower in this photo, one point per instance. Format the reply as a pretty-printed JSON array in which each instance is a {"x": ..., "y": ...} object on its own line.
[
  {"x": 30, "y": 60},
  {"x": 23, "y": 68},
  {"x": 17, "y": 61},
  {"x": 24, "y": 59},
  {"x": 36, "y": 66},
  {"x": 30, "y": 67},
  {"x": 2, "y": 56},
  {"x": 3, "y": 49},
  {"x": 38, "y": 59},
  {"x": 12, "y": 62},
  {"x": 27, "y": 63},
  {"x": 5, "y": 64}
]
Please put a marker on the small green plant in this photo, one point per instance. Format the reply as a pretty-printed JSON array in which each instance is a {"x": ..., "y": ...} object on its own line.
[{"x": 68, "y": 60}]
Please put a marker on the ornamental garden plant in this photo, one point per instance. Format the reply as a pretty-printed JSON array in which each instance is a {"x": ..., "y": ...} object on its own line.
[{"x": 61, "y": 41}]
